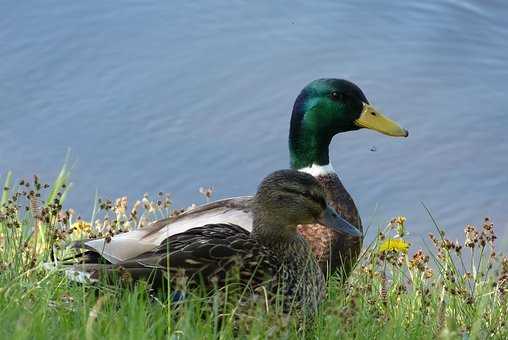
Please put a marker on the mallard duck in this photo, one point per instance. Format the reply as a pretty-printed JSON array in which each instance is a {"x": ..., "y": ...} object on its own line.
[
  {"x": 324, "y": 108},
  {"x": 274, "y": 255}
]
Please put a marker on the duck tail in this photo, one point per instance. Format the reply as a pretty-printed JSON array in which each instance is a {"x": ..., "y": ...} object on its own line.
[
  {"x": 82, "y": 267},
  {"x": 89, "y": 267}
]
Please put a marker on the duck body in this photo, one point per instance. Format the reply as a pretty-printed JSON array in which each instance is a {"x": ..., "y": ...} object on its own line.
[
  {"x": 329, "y": 246},
  {"x": 273, "y": 255},
  {"x": 324, "y": 108},
  {"x": 205, "y": 257}
]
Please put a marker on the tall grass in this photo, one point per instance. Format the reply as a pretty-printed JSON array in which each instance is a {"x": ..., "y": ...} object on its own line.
[{"x": 452, "y": 290}]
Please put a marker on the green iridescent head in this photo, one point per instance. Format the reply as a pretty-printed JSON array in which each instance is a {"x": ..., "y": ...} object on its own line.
[{"x": 324, "y": 108}]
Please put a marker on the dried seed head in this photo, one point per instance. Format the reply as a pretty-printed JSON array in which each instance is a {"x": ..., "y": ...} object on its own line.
[
  {"x": 146, "y": 201},
  {"x": 398, "y": 224},
  {"x": 471, "y": 236},
  {"x": 504, "y": 265},
  {"x": 488, "y": 231},
  {"x": 457, "y": 247},
  {"x": 206, "y": 191},
  {"x": 419, "y": 260},
  {"x": 121, "y": 206}
]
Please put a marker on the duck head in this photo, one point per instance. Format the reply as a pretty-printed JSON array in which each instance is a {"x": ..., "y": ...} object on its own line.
[
  {"x": 324, "y": 108},
  {"x": 287, "y": 198}
]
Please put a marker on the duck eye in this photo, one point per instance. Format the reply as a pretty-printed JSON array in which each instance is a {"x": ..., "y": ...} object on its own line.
[
  {"x": 337, "y": 96},
  {"x": 373, "y": 113}
]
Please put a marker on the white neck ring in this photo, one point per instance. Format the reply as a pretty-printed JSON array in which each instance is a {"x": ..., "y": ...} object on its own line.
[{"x": 318, "y": 170}]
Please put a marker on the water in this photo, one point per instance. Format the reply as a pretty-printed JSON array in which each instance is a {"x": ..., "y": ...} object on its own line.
[{"x": 171, "y": 96}]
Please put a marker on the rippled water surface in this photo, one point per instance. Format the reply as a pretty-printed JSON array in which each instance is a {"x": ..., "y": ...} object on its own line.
[{"x": 171, "y": 96}]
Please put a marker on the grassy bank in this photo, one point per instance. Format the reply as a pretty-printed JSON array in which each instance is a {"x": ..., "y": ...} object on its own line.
[{"x": 451, "y": 290}]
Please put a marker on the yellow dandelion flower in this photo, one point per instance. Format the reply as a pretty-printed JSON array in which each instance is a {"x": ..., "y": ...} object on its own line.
[
  {"x": 82, "y": 226},
  {"x": 397, "y": 244}
]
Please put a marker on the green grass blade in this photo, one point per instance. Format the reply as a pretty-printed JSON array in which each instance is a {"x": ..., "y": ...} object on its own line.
[
  {"x": 6, "y": 188},
  {"x": 60, "y": 182}
]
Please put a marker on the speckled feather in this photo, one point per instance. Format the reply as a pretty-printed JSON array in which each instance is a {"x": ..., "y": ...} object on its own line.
[
  {"x": 335, "y": 251},
  {"x": 206, "y": 255},
  {"x": 328, "y": 246}
]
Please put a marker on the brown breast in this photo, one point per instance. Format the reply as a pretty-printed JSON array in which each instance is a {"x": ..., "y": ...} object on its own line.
[{"x": 334, "y": 251}]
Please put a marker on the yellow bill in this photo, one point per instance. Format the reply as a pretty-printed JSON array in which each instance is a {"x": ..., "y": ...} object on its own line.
[{"x": 371, "y": 118}]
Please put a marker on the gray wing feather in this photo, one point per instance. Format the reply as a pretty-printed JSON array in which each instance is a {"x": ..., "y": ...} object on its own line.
[{"x": 133, "y": 243}]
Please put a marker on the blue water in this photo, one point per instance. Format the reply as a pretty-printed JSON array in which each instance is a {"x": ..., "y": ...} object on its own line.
[{"x": 170, "y": 96}]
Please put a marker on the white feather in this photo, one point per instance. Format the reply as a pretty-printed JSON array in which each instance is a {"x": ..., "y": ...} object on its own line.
[
  {"x": 128, "y": 245},
  {"x": 318, "y": 170}
]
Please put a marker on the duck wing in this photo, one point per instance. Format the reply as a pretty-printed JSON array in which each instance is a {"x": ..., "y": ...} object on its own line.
[
  {"x": 125, "y": 246},
  {"x": 210, "y": 252},
  {"x": 205, "y": 254}
]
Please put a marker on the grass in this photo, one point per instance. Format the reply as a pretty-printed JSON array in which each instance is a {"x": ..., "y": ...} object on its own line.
[{"x": 451, "y": 290}]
